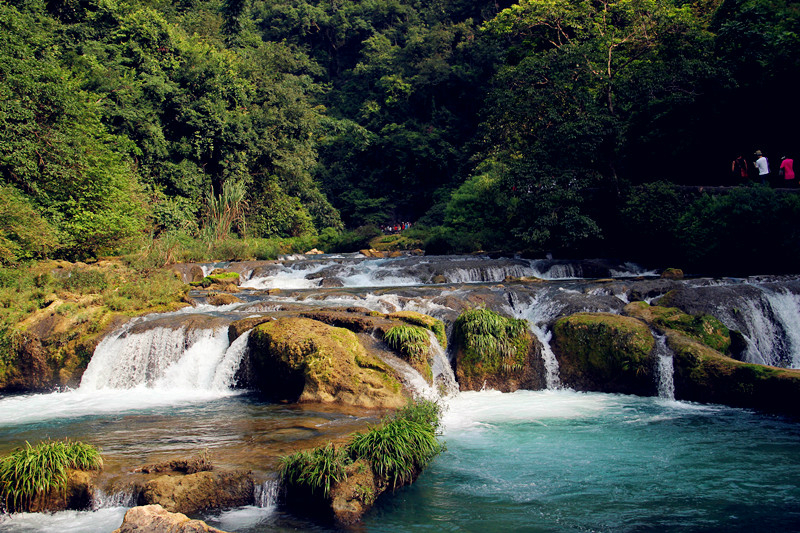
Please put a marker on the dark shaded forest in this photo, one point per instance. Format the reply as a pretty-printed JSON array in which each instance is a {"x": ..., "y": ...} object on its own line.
[{"x": 544, "y": 126}]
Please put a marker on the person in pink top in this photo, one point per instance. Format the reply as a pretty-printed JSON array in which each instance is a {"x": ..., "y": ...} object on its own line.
[{"x": 787, "y": 171}]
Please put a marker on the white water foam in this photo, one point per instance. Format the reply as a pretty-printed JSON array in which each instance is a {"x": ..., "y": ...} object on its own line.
[
  {"x": 538, "y": 314},
  {"x": 107, "y": 519},
  {"x": 160, "y": 358},
  {"x": 786, "y": 309},
  {"x": 665, "y": 370}
]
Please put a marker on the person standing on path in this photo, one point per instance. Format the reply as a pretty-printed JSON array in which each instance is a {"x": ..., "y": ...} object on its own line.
[
  {"x": 762, "y": 166},
  {"x": 787, "y": 171}
]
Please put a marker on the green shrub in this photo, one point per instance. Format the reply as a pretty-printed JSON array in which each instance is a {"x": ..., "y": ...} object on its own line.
[
  {"x": 412, "y": 341},
  {"x": 34, "y": 470},
  {"x": 318, "y": 469}
]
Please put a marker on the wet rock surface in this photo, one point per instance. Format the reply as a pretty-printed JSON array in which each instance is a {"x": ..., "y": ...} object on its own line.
[{"x": 156, "y": 519}]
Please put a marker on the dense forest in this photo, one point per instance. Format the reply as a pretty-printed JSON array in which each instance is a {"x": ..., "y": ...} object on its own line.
[{"x": 544, "y": 126}]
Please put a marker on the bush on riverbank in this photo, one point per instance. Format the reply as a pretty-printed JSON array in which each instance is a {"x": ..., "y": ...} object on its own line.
[{"x": 36, "y": 470}]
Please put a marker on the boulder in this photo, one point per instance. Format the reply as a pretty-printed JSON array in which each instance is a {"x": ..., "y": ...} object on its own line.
[
  {"x": 672, "y": 273},
  {"x": 155, "y": 519},
  {"x": 354, "y": 495},
  {"x": 705, "y": 375},
  {"x": 604, "y": 352},
  {"x": 199, "y": 491},
  {"x": 77, "y": 495},
  {"x": 223, "y": 298},
  {"x": 302, "y": 360}
]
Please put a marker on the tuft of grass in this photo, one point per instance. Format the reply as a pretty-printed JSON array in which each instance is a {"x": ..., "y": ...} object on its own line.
[
  {"x": 409, "y": 340},
  {"x": 318, "y": 469},
  {"x": 33, "y": 470},
  {"x": 492, "y": 339},
  {"x": 402, "y": 446},
  {"x": 396, "y": 450}
]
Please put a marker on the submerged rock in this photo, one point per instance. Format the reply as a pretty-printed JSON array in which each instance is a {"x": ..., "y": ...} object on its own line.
[
  {"x": 604, "y": 352},
  {"x": 304, "y": 360},
  {"x": 155, "y": 519}
]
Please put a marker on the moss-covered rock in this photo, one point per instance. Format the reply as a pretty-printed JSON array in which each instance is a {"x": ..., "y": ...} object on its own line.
[
  {"x": 195, "y": 492},
  {"x": 606, "y": 353},
  {"x": 304, "y": 360},
  {"x": 223, "y": 298},
  {"x": 672, "y": 273},
  {"x": 705, "y": 375},
  {"x": 496, "y": 352},
  {"x": 703, "y": 328}
]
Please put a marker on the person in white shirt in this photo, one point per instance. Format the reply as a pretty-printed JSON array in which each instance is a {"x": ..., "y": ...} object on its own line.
[{"x": 762, "y": 165}]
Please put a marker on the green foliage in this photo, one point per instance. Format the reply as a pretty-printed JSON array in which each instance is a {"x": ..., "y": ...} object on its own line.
[
  {"x": 318, "y": 469},
  {"x": 399, "y": 448},
  {"x": 412, "y": 341},
  {"x": 225, "y": 211},
  {"x": 743, "y": 230},
  {"x": 34, "y": 470},
  {"x": 24, "y": 234},
  {"x": 492, "y": 340}
]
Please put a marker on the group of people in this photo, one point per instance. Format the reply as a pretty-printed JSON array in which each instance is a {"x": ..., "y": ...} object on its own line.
[
  {"x": 742, "y": 170},
  {"x": 397, "y": 227}
]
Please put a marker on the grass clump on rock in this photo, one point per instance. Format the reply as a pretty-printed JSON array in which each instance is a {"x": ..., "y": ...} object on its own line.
[
  {"x": 346, "y": 481},
  {"x": 425, "y": 321},
  {"x": 412, "y": 341},
  {"x": 492, "y": 349},
  {"x": 36, "y": 470}
]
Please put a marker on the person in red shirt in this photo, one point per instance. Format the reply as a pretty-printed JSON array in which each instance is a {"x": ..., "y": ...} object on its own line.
[{"x": 787, "y": 171}]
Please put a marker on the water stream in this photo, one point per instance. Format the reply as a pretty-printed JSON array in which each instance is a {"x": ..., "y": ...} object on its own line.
[{"x": 553, "y": 460}]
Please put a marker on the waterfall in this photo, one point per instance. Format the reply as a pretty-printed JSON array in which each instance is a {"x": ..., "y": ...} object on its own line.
[
  {"x": 443, "y": 376},
  {"x": 226, "y": 370},
  {"x": 786, "y": 310},
  {"x": 124, "y": 498},
  {"x": 266, "y": 494},
  {"x": 164, "y": 358},
  {"x": 537, "y": 315},
  {"x": 665, "y": 369}
]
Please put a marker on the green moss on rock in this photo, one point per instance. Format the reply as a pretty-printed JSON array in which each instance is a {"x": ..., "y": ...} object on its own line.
[
  {"x": 299, "y": 359},
  {"x": 703, "y": 328},
  {"x": 705, "y": 375},
  {"x": 606, "y": 353}
]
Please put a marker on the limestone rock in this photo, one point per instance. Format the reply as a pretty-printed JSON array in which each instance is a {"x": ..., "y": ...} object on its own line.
[
  {"x": 223, "y": 299},
  {"x": 155, "y": 519},
  {"x": 672, "y": 273},
  {"x": 78, "y": 495},
  {"x": 299, "y": 359},
  {"x": 195, "y": 492},
  {"x": 604, "y": 352}
]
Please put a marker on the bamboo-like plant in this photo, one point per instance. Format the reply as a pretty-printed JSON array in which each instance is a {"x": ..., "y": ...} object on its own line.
[
  {"x": 409, "y": 340},
  {"x": 33, "y": 470},
  {"x": 226, "y": 210}
]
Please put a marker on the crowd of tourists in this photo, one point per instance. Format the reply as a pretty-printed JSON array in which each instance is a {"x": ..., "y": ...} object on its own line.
[
  {"x": 760, "y": 170},
  {"x": 397, "y": 227}
]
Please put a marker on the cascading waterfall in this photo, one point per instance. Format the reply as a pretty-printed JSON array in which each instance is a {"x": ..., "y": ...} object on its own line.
[
  {"x": 786, "y": 309},
  {"x": 665, "y": 369},
  {"x": 266, "y": 494},
  {"x": 537, "y": 314},
  {"x": 443, "y": 376},
  {"x": 159, "y": 358}
]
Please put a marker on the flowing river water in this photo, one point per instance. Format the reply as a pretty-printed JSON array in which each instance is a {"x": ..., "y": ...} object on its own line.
[{"x": 550, "y": 460}]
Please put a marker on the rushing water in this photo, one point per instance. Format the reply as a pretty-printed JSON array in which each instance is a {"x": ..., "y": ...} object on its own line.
[{"x": 554, "y": 460}]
